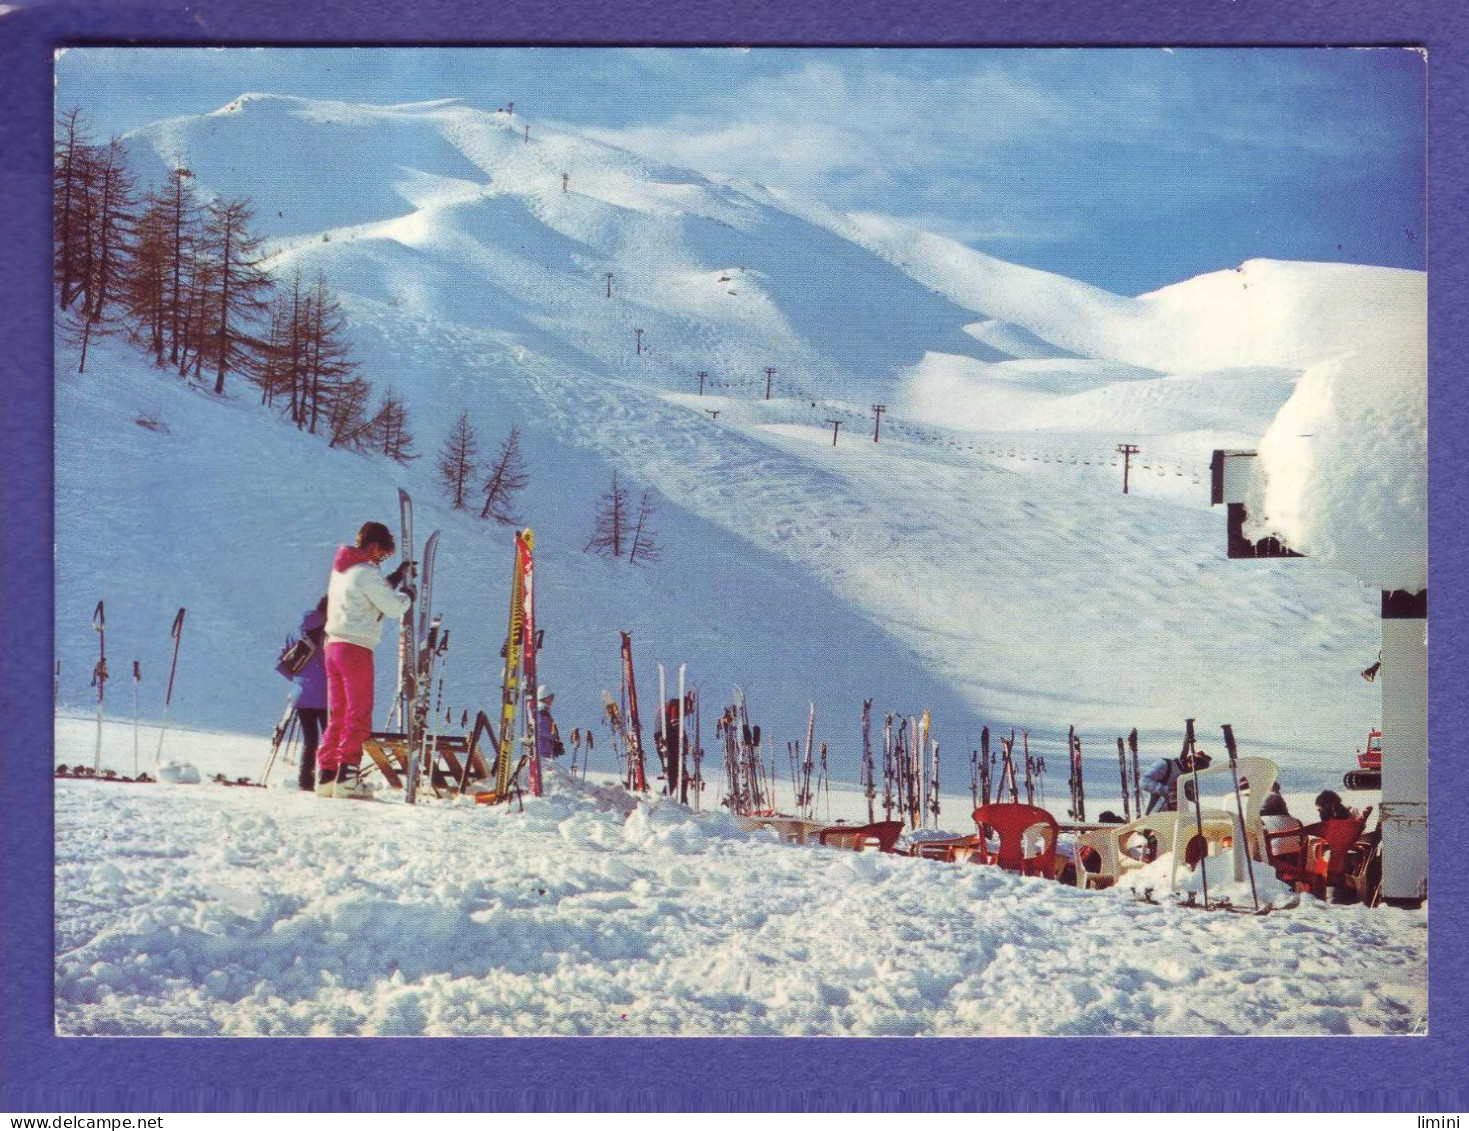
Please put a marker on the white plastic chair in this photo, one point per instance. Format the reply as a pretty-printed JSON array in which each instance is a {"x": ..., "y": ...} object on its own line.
[{"x": 1173, "y": 830}]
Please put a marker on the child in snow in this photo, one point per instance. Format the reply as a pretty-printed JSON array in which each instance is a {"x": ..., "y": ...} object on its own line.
[
  {"x": 311, "y": 693},
  {"x": 548, "y": 738},
  {"x": 358, "y": 598},
  {"x": 674, "y": 749}
]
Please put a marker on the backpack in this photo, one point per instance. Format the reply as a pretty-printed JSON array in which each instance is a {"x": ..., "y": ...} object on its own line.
[{"x": 295, "y": 656}]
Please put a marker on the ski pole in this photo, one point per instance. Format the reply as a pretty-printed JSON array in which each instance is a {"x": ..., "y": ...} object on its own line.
[
  {"x": 99, "y": 677},
  {"x": 177, "y": 632},
  {"x": 1198, "y": 845},
  {"x": 1240, "y": 806},
  {"x": 137, "y": 679},
  {"x": 279, "y": 737},
  {"x": 823, "y": 783}
]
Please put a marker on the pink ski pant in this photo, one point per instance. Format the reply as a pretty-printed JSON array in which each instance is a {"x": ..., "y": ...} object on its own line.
[{"x": 349, "y": 705}]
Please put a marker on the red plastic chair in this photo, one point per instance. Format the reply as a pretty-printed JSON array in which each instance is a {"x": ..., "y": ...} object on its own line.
[
  {"x": 883, "y": 836},
  {"x": 1324, "y": 863},
  {"x": 1011, "y": 822}
]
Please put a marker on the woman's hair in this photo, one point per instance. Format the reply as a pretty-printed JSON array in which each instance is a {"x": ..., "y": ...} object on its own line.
[
  {"x": 376, "y": 534},
  {"x": 1329, "y": 799}
]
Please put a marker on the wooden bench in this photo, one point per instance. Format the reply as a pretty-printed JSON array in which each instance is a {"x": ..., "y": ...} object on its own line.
[{"x": 388, "y": 751}]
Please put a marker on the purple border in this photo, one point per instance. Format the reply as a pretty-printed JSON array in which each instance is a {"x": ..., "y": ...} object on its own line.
[{"x": 39, "y": 1072}]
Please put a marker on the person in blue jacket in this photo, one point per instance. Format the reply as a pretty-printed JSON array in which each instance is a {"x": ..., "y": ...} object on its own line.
[
  {"x": 311, "y": 694},
  {"x": 548, "y": 736},
  {"x": 1161, "y": 782}
]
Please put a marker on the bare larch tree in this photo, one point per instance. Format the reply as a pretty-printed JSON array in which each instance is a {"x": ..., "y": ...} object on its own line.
[
  {"x": 644, "y": 551},
  {"x": 458, "y": 459},
  {"x": 506, "y": 478},
  {"x": 613, "y": 521}
]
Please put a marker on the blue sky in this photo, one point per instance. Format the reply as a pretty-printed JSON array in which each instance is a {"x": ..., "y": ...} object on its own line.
[{"x": 1129, "y": 169}]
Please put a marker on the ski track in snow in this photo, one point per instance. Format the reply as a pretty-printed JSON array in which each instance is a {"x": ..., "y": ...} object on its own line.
[
  {"x": 934, "y": 546},
  {"x": 205, "y": 910}
]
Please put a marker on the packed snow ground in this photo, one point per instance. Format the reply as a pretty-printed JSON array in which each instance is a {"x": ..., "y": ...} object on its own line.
[{"x": 205, "y": 910}]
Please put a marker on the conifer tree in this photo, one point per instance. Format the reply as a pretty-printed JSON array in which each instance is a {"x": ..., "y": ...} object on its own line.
[
  {"x": 609, "y": 534},
  {"x": 391, "y": 433},
  {"x": 276, "y": 373},
  {"x": 457, "y": 459},
  {"x": 327, "y": 356},
  {"x": 195, "y": 316},
  {"x": 506, "y": 478},
  {"x": 240, "y": 288},
  {"x": 346, "y": 418},
  {"x": 148, "y": 285},
  {"x": 644, "y": 550},
  {"x": 105, "y": 220},
  {"x": 182, "y": 210},
  {"x": 284, "y": 359},
  {"x": 74, "y": 160}
]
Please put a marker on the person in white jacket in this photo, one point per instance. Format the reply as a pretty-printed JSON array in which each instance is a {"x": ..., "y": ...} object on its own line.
[{"x": 358, "y": 598}]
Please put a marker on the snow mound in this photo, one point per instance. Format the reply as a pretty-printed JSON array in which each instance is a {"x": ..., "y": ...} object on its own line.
[
  {"x": 180, "y": 773},
  {"x": 1345, "y": 465},
  {"x": 1218, "y": 873}
]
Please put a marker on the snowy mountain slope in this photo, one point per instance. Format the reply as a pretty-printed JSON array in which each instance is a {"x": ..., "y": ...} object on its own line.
[
  {"x": 1261, "y": 313},
  {"x": 247, "y": 545},
  {"x": 938, "y": 568}
]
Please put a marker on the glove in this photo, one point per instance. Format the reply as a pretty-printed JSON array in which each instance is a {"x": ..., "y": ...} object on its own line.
[
  {"x": 395, "y": 579},
  {"x": 408, "y": 591}
]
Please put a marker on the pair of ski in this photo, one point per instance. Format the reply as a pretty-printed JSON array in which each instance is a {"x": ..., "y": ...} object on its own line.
[
  {"x": 422, "y": 643},
  {"x": 1131, "y": 802},
  {"x": 1077, "y": 778},
  {"x": 518, "y": 687}
]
